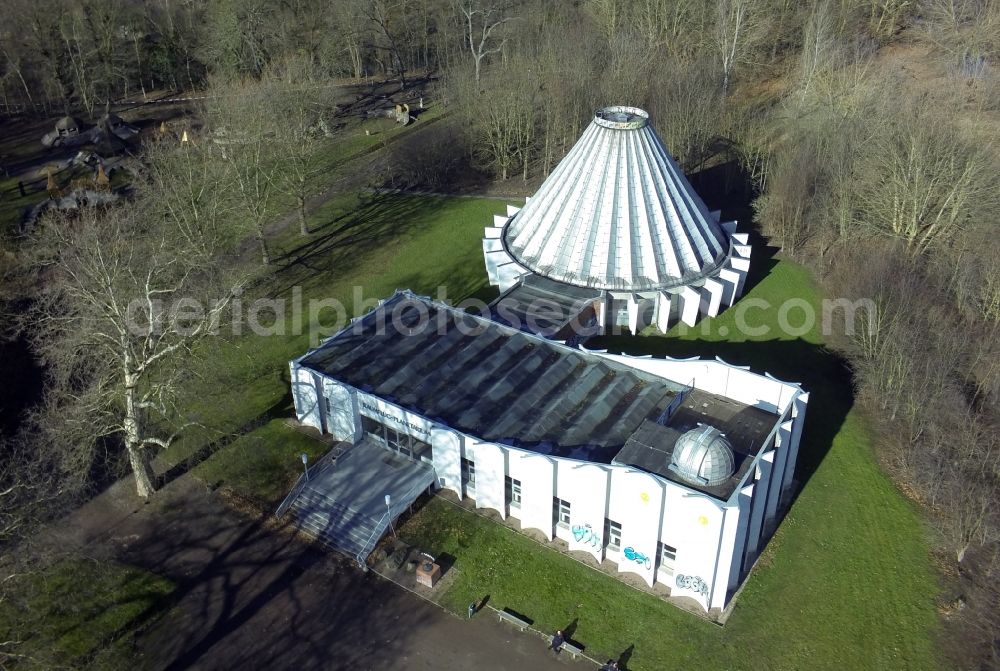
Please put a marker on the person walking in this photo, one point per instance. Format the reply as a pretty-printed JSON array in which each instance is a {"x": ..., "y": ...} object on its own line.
[{"x": 557, "y": 641}]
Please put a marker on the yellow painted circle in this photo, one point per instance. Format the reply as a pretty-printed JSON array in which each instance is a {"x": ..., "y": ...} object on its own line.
[
  {"x": 702, "y": 520},
  {"x": 645, "y": 497}
]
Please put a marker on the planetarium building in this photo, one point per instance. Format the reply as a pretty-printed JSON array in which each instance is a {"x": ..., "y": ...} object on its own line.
[{"x": 674, "y": 470}]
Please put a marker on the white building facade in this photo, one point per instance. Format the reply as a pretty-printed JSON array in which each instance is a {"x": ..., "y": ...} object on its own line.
[{"x": 699, "y": 541}]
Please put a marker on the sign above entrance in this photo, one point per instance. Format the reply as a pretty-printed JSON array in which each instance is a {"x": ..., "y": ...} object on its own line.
[{"x": 374, "y": 411}]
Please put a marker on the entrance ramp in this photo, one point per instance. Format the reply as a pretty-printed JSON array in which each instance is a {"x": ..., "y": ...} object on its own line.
[{"x": 342, "y": 505}]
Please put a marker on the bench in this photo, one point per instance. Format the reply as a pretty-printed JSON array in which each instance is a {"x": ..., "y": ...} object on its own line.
[
  {"x": 515, "y": 620},
  {"x": 571, "y": 649}
]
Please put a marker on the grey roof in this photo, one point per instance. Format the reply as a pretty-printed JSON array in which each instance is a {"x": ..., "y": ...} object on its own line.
[
  {"x": 545, "y": 307},
  {"x": 499, "y": 384},
  {"x": 651, "y": 447},
  {"x": 492, "y": 381},
  {"x": 618, "y": 213}
]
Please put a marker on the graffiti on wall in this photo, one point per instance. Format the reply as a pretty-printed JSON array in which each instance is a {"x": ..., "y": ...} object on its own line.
[
  {"x": 692, "y": 582},
  {"x": 639, "y": 558},
  {"x": 585, "y": 534}
]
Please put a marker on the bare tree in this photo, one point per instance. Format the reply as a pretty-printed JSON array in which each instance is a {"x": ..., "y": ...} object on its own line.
[
  {"x": 819, "y": 46},
  {"x": 687, "y": 99},
  {"x": 921, "y": 180},
  {"x": 965, "y": 485},
  {"x": 193, "y": 187},
  {"x": 886, "y": 16},
  {"x": 502, "y": 132},
  {"x": 298, "y": 100},
  {"x": 385, "y": 16},
  {"x": 121, "y": 302},
  {"x": 243, "y": 123},
  {"x": 481, "y": 20},
  {"x": 738, "y": 26}
]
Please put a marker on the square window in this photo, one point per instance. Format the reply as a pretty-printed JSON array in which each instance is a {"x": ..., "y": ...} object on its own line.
[
  {"x": 668, "y": 554},
  {"x": 513, "y": 491},
  {"x": 560, "y": 510},
  {"x": 612, "y": 535},
  {"x": 469, "y": 473}
]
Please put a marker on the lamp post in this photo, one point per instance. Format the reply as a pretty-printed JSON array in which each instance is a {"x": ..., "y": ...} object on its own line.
[
  {"x": 388, "y": 511},
  {"x": 305, "y": 464}
]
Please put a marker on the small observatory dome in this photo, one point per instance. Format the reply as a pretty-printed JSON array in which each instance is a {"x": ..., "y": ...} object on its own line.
[{"x": 703, "y": 456}]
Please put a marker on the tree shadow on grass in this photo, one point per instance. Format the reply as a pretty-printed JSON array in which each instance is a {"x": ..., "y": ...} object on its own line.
[
  {"x": 570, "y": 629},
  {"x": 340, "y": 244},
  {"x": 625, "y": 657},
  {"x": 236, "y": 578},
  {"x": 276, "y": 411}
]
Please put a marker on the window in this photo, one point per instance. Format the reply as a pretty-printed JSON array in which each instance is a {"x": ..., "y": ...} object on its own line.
[
  {"x": 370, "y": 426},
  {"x": 667, "y": 556},
  {"x": 469, "y": 473},
  {"x": 396, "y": 440},
  {"x": 560, "y": 511},
  {"x": 513, "y": 491},
  {"x": 612, "y": 535}
]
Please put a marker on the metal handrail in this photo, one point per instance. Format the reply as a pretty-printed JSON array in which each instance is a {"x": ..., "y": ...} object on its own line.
[
  {"x": 383, "y": 523},
  {"x": 321, "y": 465},
  {"x": 369, "y": 545}
]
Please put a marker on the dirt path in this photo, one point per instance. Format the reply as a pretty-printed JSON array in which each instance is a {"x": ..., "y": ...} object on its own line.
[{"x": 253, "y": 596}]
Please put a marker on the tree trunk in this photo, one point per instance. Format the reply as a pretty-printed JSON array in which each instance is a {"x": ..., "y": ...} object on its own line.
[
  {"x": 137, "y": 457},
  {"x": 303, "y": 224},
  {"x": 265, "y": 254},
  {"x": 142, "y": 470}
]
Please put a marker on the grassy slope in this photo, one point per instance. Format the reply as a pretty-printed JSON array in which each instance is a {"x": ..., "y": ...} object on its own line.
[{"x": 82, "y": 613}]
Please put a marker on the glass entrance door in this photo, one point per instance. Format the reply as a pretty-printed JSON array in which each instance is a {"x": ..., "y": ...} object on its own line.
[{"x": 396, "y": 440}]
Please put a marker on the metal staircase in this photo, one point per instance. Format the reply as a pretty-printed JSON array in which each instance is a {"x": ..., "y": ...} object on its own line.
[
  {"x": 334, "y": 524},
  {"x": 329, "y": 505}
]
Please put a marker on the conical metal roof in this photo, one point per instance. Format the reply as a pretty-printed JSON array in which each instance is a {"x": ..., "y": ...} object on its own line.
[{"x": 618, "y": 213}]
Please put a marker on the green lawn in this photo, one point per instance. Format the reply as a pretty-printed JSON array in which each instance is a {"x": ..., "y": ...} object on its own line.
[
  {"x": 263, "y": 463},
  {"x": 352, "y": 141},
  {"x": 81, "y": 613}
]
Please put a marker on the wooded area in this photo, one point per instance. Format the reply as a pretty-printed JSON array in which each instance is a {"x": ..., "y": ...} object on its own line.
[{"x": 866, "y": 131}]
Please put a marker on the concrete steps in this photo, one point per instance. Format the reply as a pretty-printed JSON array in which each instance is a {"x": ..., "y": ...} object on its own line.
[{"x": 334, "y": 523}]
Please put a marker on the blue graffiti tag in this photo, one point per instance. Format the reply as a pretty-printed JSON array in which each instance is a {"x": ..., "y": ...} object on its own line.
[
  {"x": 638, "y": 557},
  {"x": 585, "y": 535},
  {"x": 692, "y": 582}
]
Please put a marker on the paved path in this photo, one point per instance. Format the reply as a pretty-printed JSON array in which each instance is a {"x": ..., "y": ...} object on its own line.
[{"x": 252, "y": 596}]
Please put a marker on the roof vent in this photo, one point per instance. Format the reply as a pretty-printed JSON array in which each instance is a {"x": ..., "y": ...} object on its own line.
[
  {"x": 621, "y": 117},
  {"x": 703, "y": 456}
]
